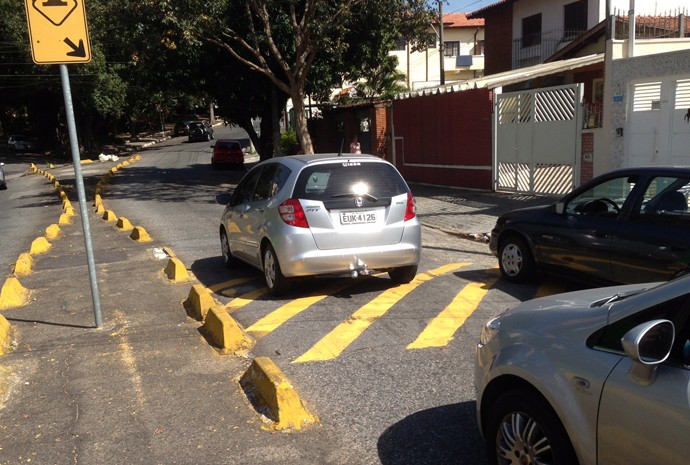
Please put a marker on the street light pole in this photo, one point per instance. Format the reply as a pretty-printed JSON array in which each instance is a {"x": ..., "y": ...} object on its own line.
[{"x": 441, "y": 47}]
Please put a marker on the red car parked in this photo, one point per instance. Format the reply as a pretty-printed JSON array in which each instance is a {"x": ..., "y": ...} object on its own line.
[{"x": 227, "y": 152}]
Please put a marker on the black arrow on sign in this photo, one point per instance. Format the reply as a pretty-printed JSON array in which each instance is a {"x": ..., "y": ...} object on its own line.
[{"x": 77, "y": 51}]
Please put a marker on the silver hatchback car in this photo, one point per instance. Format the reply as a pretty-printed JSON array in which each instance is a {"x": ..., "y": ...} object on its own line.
[
  {"x": 600, "y": 376},
  {"x": 312, "y": 215}
]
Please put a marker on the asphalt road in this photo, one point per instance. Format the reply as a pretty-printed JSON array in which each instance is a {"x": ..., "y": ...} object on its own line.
[{"x": 395, "y": 393}]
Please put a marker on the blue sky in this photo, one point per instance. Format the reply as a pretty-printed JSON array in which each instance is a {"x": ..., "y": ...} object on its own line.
[{"x": 463, "y": 6}]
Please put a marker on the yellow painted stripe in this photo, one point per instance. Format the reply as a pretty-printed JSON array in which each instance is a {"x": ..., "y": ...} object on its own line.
[
  {"x": 244, "y": 299},
  {"x": 440, "y": 331},
  {"x": 227, "y": 284},
  {"x": 279, "y": 316},
  {"x": 333, "y": 344}
]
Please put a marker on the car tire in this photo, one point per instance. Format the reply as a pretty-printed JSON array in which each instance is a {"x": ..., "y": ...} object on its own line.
[
  {"x": 276, "y": 283},
  {"x": 228, "y": 259},
  {"x": 403, "y": 275},
  {"x": 3, "y": 186},
  {"x": 520, "y": 426},
  {"x": 515, "y": 259}
]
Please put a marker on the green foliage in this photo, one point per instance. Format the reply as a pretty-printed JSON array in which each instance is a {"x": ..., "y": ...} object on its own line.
[{"x": 288, "y": 142}]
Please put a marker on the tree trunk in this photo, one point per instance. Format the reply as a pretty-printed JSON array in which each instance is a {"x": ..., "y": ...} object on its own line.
[
  {"x": 275, "y": 122},
  {"x": 301, "y": 122}
]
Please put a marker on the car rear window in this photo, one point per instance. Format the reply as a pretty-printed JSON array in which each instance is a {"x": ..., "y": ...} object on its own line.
[
  {"x": 229, "y": 145},
  {"x": 333, "y": 180}
]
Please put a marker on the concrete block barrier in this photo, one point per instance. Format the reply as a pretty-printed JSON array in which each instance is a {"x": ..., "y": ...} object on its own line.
[
  {"x": 139, "y": 234},
  {"x": 124, "y": 224},
  {"x": 40, "y": 245},
  {"x": 24, "y": 265},
  {"x": 198, "y": 302},
  {"x": 272, "y": 394},
  {"x": 53, "y": 232},
  {"x": 224, "y": 333},
  {"x": 5, "y": 335},
  {"x": 13, "y": 294},
  {"x": 109, "y": 216},
  {"x": 176, "y": 271},
  {"x": 65, "y": 219}
]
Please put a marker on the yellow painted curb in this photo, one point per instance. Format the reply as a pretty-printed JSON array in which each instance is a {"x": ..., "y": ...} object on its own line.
[
  {"x": 198, "y": 302},
  {"x": 97, "y": 200},
  {"x": 66, "y": 204},
  {"x": 109, "y": 216},
  {"x": 24, "y": 265},
  {"x": 53, "y": 232},
  {"x": 124, "y": 224},
  {"x": 99, "y": 209},
  {"x": 176, "y": 271},
  {"x": 125, "y": 163},
  {"x": 224, "y": 333},
  {"x": 5, "y": 336},
  {"x": 113, "y": 170},
  {"x": 70, "y": 212},
  {"x": 56, "y": 184},
  {"x": 13, "y": 294},
  {"x": 139, "y": 234},
  {"x": 270, "y": 391},
  {"x": 40, "y": 245},
  {"x": 65, "y": 219},
  {"x": 169, "y": 252},
  {"x": 86, "y": 161}
]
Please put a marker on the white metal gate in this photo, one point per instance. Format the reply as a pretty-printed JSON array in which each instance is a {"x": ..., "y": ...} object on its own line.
[
  {"x": 538, "y": 137},
  {"x": 658, "y": 131}
]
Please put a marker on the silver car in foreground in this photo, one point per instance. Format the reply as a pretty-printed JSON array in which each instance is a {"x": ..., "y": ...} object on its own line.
[
  {"x": 310, "y": 215},
  {"x": 600, "y": 376}
]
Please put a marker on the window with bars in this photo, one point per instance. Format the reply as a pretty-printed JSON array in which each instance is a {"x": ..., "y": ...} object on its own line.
[
  {"x": 531, "y": 30},
  {"x": 451, "y": 48},
  {"x": 575, "y": 18}
]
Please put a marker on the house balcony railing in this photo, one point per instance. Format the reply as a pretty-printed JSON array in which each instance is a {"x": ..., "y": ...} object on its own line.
[
  {"x": 536, "y": 48},
  {"x": 665, "y": 26}
]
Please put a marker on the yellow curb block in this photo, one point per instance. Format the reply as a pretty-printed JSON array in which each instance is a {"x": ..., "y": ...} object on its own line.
[
  {"x": 270, "y": 391},
  {"x": 24, "y": 265},
  {"x": 40, "y": 245},
  {"x": 125, "y": 163},
  {"x": 66, "y": 204},
  {"x": 53, "y": 232},
  {"x": 169, "y": 252},
  {"x": 97, "y": 200},
  {"x": 70, "y": 212},
  {"x": 86, "y": 161},
  {"x": 65, "y": 219},
  {"x": 63, "y": 195},
  {"x": 176, "y": 271},
  {"x": 198, "y": 302},
  {"x": 113, "y": 170},
  {"x": 99, "y": 208},
  {"x": 139, "y": 234},
  {"x": 224, "y": 333},
  {"x": 124, "y": 224},
  {"x": 5, "y": 336},
  {"x": 13, "y": 294},
  {"x": 109, "y": 216},
  {"x": 56, "y": 184}
]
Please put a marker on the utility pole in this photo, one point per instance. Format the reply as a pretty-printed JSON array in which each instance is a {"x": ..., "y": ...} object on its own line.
[{"x": 441, "y": 48}]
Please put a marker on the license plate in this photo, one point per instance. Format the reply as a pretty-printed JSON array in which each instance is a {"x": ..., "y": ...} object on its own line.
[{"x": 357, "y": 217}]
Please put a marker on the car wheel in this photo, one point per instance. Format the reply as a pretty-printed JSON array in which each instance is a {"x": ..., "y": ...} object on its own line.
[
  {"x": 275, "y": 281},
  {"x": 3, "y": 186},
  {"x": 522, "y": 428},
  {"x": 515, "y": 259},
  {"x": 403, "y": 275},
  {"x": 225, "y": 249}
]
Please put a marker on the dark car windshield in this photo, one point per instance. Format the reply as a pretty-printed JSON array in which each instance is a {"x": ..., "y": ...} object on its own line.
[{"x": 349, "y": 178}]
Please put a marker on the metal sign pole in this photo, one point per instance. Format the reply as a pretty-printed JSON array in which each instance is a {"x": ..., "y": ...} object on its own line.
[{"x": 74, "y": 146}]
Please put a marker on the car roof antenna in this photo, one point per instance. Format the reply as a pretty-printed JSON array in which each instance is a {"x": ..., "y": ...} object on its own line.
[{"x": 342, "y": 141}]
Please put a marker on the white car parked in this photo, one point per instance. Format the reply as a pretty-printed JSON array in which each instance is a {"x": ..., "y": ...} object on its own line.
[{"x": 600, "y": 376}]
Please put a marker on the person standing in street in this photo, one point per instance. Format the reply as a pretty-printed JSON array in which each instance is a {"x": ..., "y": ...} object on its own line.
[{"x": 354, "y": 146}]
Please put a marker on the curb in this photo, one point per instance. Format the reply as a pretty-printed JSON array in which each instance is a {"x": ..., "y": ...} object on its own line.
[{"x": 224, "y": 333}]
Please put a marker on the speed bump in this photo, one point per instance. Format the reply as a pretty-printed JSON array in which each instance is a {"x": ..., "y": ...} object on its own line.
[
  {"x": 224, "y": 333},
  {"x": 13, "y": 294},
  {"x": 272, "y": 393}
]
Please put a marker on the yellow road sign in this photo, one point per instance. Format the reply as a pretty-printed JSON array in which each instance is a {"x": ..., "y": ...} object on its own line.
[{"x": 58, "y": 31}]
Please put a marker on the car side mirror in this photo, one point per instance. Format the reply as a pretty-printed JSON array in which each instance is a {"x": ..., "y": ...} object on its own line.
[
  {"x": 648, "y": 345},
  {"x": 559, "y": 208}
]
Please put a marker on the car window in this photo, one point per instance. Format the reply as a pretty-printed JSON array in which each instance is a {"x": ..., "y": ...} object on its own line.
[
  {"x": 665, "y": 201},
  {"x": 270, "y": 182},
  {"x": 328, "y": 181},
  {"x": 604, "y": 199},
  {"x": 245, "y": 190},
  {"x": 609, "y": 338}
]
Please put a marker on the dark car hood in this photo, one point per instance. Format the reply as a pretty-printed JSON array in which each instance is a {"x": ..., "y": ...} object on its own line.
[{"x": 523, "y": 213}]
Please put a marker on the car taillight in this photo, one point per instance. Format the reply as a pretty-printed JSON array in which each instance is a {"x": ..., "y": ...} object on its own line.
[
  {"x": 411, "y": 210},
  {"x": 292, "y": 213}
]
